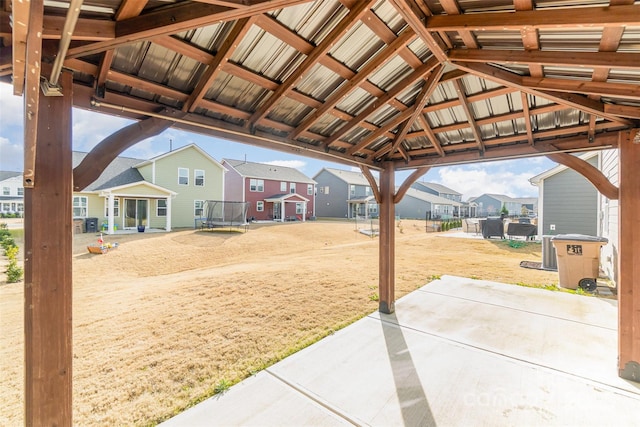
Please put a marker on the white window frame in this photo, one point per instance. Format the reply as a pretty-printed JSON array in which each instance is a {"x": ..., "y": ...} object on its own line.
[
  {"x": 260, "y": 206},
  {"x": 373, "y": 208},
  {"x": 6, "y": 191},
  {"x": 309, "y": 189},
  {"x": 256, "y": 185},
  {"x": 20, "y": 191},
  {"x": 292, "y": 187},
  {"x": 195, "y": 177},
  {"x": 158, "y": 208},
  {"x": 183, "y": 173},
  {"x": 6, "y": 207},
  {"x": 299, "y": 207},
  {"x": 196, "y": 208},
  {"x": 116, "y": 207},
  {"x": 352, "y": 189},
  {"x": 20, "y": 207},
  {"x": 80, "y": 206},
  {"x": 283, "y": 186}
]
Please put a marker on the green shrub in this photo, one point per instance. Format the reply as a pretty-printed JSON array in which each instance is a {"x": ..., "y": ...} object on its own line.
[
  {"x": 14, "y": 273},
  {"x": 11, "y": 252}
]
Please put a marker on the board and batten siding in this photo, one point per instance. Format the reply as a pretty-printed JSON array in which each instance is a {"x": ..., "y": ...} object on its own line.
[
  {"x": 334, "y": 204},
  {"x": 166, "y": 175},
  {"x": 570, "y": 203},
  {"x": 608, "y": 224}
]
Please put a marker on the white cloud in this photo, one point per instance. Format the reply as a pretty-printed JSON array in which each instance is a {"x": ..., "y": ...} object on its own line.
[
  {"x": 479, "y": 179},
  {"x": 295, "y": 164}
]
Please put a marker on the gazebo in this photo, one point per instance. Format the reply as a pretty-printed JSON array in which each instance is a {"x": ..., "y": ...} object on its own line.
[{"x": 383, "y": 85}]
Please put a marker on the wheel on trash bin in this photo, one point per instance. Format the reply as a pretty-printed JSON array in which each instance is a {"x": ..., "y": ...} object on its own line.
[{"x": 588, "y": 284}]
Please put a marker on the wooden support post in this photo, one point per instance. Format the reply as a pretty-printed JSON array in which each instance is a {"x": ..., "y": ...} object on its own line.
[
  {"x": 47, "y": 265},
  {"x": 386, "y": 263},
  {"x": 629, "y": 257}
]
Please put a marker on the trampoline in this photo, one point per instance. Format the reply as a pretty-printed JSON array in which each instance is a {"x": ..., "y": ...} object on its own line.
[{"x": 221, "y": 214}]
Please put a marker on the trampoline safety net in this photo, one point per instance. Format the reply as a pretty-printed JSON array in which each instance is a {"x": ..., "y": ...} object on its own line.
[{"x": 219, "y": 213}]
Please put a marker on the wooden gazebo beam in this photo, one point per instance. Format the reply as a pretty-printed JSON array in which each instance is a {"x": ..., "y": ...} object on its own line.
[
  {"x": 629, "y": 257},
  {"x": 48, "y": 266},
  {"x": 590, "y": 172}
]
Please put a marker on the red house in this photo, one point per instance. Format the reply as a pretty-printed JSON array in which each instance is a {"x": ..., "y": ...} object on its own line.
[{"x": 276, "y": 193}]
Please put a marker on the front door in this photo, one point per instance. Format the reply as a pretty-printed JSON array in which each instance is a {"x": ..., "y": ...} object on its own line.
[{"x": 135, "y": 212}]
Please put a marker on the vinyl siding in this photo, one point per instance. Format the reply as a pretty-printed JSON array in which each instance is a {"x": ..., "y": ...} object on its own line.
[
  {"x": 609, "y": 216},
  {"x": 412, "y": 208},
  {"x": 333, "y": 205},
  {"x": 166, "y": 175},
  {"x": 233, "y": 185},
  {"x": 570, "y": 202}
]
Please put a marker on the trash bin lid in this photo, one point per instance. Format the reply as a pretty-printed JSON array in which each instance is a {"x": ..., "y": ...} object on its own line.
[{"x": 580, "y": 238}]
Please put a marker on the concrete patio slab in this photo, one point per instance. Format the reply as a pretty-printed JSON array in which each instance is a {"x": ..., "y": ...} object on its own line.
[{"x": 457, "y": 352}]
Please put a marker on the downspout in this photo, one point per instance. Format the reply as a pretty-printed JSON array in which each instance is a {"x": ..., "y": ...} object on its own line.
[{"x": 51, "y": 88}]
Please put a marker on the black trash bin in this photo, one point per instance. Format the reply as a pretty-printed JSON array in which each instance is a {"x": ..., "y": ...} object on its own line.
[{"x": 91, "y": 225}]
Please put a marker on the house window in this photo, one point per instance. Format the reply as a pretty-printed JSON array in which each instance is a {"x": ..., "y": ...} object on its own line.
[
  {"x": 80, "y": 206},
  {"x": 183, "y": 176},
  {"x": 161, "y": 207},
  {"x": 198, "y": 208},
  {"x": 299, "y": 208},
  {"x": 283, "y": 186},
  {"x": 6, "y": 191},
  {"x": 198, "y": 178},
  {"x": 352, "y": 189},
  {"x": 309, "y": 189},
  {"x": 20, "y": 191},
  {"x": 367, "y": 190},
  {"x": 292, "y": 187},
  {"x": 326, "y": 189},
  {"x": 373, "y": 208},
  {"x": 6, "y": 207},
  {"x": 260, "y": 206},
  {"x": 116, "y": 207},
  {"x": 256, "y": 185},
  {"x": 20, "y": 207}
]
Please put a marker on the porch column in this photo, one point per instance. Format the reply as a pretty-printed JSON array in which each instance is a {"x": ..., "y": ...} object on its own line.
[
  {"x": 168, "y": 226},
  {"x": 386, "y": 248},
  {"x": 304, "y": 211},
  {"x": 629, "y": 257},
  {"x": 47, "y": 264},
  {"x": 110, "y": 209}
]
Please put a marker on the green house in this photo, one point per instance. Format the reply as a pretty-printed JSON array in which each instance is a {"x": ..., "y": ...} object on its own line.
[{"x": 168, "y": 191}]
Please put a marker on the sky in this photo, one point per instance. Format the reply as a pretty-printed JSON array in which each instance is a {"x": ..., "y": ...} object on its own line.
[{"x": 508, "y": 177}]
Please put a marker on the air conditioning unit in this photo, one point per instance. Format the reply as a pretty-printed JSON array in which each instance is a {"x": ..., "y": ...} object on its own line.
[{"x": 549, "y": 260}]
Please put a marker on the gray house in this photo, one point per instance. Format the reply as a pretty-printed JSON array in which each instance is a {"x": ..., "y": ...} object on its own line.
[
  {"x": 417, "y": 204},
  {"x": 491, "y": 204},
  {"x": 438, "y": 190},
  {"x": 568, "y": 202},
  {"x": 343, "y": 194}
]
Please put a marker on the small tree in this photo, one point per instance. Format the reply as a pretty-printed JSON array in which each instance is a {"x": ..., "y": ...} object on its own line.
[{"x": 504, "y": 211}]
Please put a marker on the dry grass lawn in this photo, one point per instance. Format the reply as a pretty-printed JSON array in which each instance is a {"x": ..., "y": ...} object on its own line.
[{"x": 163, "y": 320}]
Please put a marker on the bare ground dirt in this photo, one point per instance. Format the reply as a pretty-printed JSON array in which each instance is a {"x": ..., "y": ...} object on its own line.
[{"x": 165, "y": 318}]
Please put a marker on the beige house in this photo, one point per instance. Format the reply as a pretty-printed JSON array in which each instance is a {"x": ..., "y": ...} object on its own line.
[{"x": 165, "y": 192}]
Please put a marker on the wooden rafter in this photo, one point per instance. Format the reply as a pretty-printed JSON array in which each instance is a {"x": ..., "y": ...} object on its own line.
[
  {"x": 621, "y": 60},
  {"x": 398, "y": 88},
  {"x": 553, "y": 18},
  {"x": 527, "y": 116},
  {"x": 452, "y": 8},
  {"x": 517, "y": 82},
  {"x": 373, "y": 65},
  {"x": 569, "y": 144},
  {"x": 351, "y": 19},
  {"x": 175, "y": 19},
  {"x": 427, "y": 90},
  {"x": 431, "y": 135},
  {"x": 464, "y": 103},
  {"x": 614, "y": 90},
  {"x": 240, "y": 29},
  {"x": 128, "y": 9},
  {"x": 530, "y": 37},
  {"x": 415, "y": 18}
]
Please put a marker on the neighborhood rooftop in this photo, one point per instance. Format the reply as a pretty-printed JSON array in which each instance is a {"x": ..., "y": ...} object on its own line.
[{"x": 268, "y": 171}]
